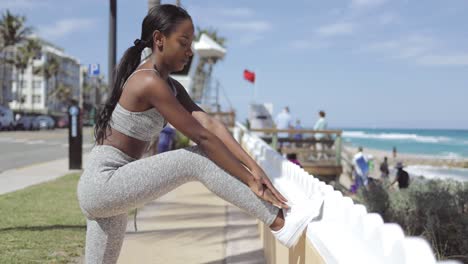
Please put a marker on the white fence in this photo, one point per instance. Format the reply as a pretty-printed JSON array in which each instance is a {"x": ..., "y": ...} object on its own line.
[{"x": 344, "y": 232}]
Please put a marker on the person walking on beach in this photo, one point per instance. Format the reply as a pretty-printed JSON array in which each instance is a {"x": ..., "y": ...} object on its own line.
[
  {"x": 360, "y": 169},
  {"x": 384, "y": 171},
  {"x": 116, "y": 179},
  {"x": 402, "y": 177}
]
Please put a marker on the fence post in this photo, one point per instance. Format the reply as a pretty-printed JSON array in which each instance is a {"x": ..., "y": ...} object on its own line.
[
  {"x": 338, "y": 148},
  {"x": 274, "y": 140}
]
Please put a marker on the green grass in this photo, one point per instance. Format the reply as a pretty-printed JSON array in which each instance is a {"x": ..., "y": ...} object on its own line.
[{"x": 42, "y": 224}]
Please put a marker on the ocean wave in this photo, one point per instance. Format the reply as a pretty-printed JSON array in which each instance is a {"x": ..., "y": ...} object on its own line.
[
  {"x": 395, "y": 136},
  {"x": 451, "y": 155},
  {"x": 434, "y": 172}
]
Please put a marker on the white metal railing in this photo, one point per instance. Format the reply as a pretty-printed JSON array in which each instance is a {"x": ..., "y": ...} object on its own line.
[{"x": 344, "y": 232}]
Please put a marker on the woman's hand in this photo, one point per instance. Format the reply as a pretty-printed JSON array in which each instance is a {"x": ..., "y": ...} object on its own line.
[{"x": 263, "y": 188}]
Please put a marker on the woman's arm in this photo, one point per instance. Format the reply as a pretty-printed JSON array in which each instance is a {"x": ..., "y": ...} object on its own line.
[
  {"x": 158, "y": 94},
  {"x": 218, "y": 128},
  {"x": 214, "y": 126}
]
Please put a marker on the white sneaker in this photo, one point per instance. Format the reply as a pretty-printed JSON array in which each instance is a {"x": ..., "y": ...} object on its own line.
[{"x": 296, "y": 219}]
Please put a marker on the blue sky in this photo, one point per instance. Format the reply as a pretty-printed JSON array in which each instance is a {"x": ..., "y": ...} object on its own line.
[{"x": 367, "y": 63}]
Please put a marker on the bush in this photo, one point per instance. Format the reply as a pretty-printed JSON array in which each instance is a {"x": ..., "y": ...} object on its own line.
[
  {"x": 181, "y": 141},
  {"x": 434, "y": 209}
]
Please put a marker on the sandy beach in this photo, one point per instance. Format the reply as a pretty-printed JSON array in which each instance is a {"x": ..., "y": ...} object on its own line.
[{"x": 407, "y": 159}]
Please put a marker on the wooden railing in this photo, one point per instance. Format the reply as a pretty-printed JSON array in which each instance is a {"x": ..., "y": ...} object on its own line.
[
  {"x": 319, "y": 151},
  {"x": 227, "y": 118}
]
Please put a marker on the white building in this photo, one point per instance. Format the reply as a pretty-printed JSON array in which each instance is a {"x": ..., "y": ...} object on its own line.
[{"x": 36, "y": 91}]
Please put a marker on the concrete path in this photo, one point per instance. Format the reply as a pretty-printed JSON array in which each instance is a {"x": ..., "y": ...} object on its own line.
[
  {"x": 191, "y": 225},
  {"x": 20, "y": 178}
]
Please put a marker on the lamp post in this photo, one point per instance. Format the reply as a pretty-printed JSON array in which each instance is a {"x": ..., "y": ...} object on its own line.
[{"x": 112, "y": 41}]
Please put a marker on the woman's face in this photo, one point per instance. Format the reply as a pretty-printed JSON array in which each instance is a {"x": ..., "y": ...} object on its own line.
[{"x": 178, "y": 48}]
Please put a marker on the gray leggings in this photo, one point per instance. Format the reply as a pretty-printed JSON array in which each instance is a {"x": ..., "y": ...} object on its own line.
[{"x": 113, "y": 183}]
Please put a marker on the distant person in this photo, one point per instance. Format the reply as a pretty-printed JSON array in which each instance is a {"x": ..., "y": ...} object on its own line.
[
  {"x": 360, "y": 169},
  {"x": 394, "y": 152},
  {"x": 402, "y": 177},
  {"x": 298, "y": 136},
  {"x": 320, "y": 124},
  {"x": 283, "y": 121},
  {"x": 384, "y": 171},
  {"x": 292, "y": 157},
  {"x": 166, "y": 138}
]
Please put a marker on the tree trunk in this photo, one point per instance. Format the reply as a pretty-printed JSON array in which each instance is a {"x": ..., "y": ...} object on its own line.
[{"x": 2, "y": 88}]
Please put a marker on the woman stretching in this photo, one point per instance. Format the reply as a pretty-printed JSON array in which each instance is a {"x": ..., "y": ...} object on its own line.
[{"x": 116, "y": 180}]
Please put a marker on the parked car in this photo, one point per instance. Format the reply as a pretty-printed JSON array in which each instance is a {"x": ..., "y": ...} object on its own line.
[
  {"x": 7, "y": 121},
  {"x": 25, "y": 122},
  {"x": 43, "y": 122},
  {"x": 62, "y": 122}
]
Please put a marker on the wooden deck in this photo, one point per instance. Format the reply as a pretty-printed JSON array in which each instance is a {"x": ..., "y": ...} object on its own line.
[{"x": 318, "y": 155}]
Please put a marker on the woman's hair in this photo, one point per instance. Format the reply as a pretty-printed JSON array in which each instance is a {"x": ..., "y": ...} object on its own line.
[{"x": 163, "y": 18}]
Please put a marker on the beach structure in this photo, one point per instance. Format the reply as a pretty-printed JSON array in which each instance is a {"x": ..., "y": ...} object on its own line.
[{"x": 196, "y": 80}]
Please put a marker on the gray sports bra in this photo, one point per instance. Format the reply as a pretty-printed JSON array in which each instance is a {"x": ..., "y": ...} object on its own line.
[{"x": 145, "y": 125}]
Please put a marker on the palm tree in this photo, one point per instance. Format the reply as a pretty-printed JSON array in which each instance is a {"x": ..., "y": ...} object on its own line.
[
  {"x": 62, "y": 93},
  {"x": 50, "y": 69},
  {"x": 12, "y": 32}
]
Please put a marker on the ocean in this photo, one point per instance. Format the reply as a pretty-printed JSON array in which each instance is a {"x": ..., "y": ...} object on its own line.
[{"x": 443, "y": 143}]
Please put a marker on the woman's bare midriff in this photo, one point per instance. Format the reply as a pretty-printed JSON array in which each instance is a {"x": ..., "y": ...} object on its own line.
[{"x": 130, "y": 146}]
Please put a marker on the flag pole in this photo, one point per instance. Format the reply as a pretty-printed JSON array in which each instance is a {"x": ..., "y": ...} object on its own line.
[{"x": 255, "y": 86}]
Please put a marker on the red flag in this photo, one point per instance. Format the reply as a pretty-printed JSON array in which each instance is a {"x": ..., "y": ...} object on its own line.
[{"x": 249, "y": 76}]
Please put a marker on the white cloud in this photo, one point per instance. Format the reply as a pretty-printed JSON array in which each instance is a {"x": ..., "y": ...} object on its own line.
[
  {"x": 242, "y": 21},
  {"x": 235, "y": 12},
  {"x": 418, "y": 49},
  {"x": 248, "y": 39},
  {"x": 361, "y": 4},
  {"x": 387, "y": 18},
  {"x": 406, "y": 47},
  {"x": 249, "y": 26},
  {"x": 302, "y": 44},
  {"x": 224, "y": 12},
  {"x": 66, "y": 26},
  {"x": 336, "y": 29},
  {"x": 21, "y": 4},
  {"x": 445, "y": 60}
]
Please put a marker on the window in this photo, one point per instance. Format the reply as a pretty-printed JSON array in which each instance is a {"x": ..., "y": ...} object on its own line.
[
  {"x": 38, "y": 56},
  {"x": 37, "y": 84},
  {"x": 36, "y": 98}
]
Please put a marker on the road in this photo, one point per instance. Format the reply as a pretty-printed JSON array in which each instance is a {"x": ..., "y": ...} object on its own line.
[{"x": 22, "y": 148}]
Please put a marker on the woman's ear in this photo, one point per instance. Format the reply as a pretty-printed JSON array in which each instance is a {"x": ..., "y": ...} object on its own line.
[{"x": 158, "y": 40}]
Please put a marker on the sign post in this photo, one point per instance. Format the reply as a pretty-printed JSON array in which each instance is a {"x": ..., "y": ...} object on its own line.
[{"x": 75, "y": 150}]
